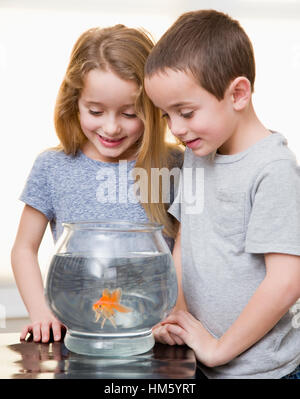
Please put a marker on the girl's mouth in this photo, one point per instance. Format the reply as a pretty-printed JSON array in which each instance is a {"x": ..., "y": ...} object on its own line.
[{"x": 109, "y": 142}]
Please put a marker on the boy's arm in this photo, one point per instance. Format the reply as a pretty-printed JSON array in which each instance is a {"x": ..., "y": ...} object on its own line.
[
  {"x": 160, "y": 332},
  {"x": 275, "y": 295},
  {"x": 24, "y": 258},
  {"x": 180, "y": 303}
]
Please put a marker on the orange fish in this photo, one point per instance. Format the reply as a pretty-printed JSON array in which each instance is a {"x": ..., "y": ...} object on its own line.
[{"x": 107, "y": 305}]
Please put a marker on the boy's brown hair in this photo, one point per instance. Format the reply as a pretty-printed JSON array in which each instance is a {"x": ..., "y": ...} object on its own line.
[{"x": 209, "y": 44}]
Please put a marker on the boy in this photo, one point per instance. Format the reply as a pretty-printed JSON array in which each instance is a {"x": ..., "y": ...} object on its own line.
[{"x": 239, "y": 256}]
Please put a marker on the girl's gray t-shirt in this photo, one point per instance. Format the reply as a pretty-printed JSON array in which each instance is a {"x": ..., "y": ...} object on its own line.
[
  {"x": 68, "y": 188},
  {"x": 247, "y": 204}
]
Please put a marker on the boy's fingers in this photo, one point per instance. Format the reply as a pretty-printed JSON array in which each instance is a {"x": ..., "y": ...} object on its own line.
[
  {"x": 177, "y": 331},
  {"x": 176, "y": 318},
  {"x": 177, "y": 339},
  {"x": 161, "y": 335},
  {"x": 182, "y": 318},
  {"x": 156, "y": 326}
]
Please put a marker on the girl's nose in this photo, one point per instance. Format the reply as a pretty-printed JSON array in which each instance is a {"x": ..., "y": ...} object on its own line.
[{"x": 111, "y": 126}]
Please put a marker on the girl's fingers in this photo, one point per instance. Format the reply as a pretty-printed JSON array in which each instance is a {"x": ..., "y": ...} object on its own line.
[
  {"x": 56, "y": 328},
  {"x": 45, "y": 327},
  {"x": 36, "y": 331},
  {"x": 26, "y": 330},
  {"x": 41, "y": 331}
]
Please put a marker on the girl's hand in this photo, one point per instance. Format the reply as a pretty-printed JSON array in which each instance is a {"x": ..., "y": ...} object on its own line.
[{"x": 41, "y": 329}]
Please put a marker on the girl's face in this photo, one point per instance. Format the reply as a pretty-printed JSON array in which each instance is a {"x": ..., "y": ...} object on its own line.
[{"x": 108, "y": 118}]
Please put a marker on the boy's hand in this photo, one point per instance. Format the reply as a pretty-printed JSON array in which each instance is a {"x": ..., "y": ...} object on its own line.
[
  {"x": 41, "y": 329},
  {"x": 163, "y": 336},
  {"x": 183, "y": 326}
]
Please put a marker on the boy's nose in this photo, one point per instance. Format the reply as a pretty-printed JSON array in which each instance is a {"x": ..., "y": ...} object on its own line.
[{"x": 177, "y": 127}]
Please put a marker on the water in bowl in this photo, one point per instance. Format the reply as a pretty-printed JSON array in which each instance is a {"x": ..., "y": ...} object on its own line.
[{"x": 148, "y": 287}]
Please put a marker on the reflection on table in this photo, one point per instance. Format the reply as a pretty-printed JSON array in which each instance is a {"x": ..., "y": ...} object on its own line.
[{"x": 28, "y": 360}]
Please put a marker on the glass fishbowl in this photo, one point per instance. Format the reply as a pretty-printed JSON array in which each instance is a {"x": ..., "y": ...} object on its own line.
[{"x": 109, "y": 283}]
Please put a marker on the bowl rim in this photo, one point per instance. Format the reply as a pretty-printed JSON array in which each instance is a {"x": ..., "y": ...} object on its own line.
[{"x": 114, "y": 225}]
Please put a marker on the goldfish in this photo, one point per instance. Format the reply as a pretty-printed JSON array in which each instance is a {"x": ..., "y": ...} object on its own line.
[{"x": 106, "y": 306}]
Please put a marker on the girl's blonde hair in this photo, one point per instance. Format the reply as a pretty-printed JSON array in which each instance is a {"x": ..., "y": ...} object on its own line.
[{"x": 123, "y": 51}]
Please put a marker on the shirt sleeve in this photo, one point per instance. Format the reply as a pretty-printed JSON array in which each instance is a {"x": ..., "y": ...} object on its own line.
[
  {"x": 37, "y": 192},
  {"x": 274, "y": 224},
  {"x": 175, "y": 208}
]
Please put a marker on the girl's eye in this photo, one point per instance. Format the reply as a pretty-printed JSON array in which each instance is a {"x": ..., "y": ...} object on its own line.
[
  {"x": 165, "y": 116},
  {"x": 95, "y": 113},
  {"x": 187, "y": 115},
  {"x": 129, "y": 115}
]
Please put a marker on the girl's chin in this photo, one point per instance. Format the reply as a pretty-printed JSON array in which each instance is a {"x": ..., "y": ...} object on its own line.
[{"x": 115, "y": 154}]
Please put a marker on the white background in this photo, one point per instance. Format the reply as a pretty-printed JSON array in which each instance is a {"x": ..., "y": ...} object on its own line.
[{"x": 36, "y": 38}]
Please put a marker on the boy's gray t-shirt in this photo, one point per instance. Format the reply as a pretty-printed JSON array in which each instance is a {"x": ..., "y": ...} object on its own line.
[
  {"x": 68, "y": 188},
  {"x": 250, "y": 206}
]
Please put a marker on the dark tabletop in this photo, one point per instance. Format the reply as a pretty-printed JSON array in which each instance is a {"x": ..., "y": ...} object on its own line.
[{"x": 30, "y": 360}]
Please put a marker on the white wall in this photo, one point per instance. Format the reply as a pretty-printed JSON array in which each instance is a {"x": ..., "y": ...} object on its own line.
[{"x": 35, "y": 43}]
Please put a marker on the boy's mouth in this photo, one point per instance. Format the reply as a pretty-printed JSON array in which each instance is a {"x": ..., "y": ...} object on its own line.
[{"x": 193, "y": 143}]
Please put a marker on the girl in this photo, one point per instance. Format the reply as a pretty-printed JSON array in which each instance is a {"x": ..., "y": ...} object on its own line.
[{"x": 102, "y": 116}]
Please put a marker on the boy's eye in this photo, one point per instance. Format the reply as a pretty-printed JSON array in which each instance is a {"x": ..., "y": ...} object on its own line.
[
  {"x": 186, "y": 115},
  {"x": 96, "y": 113}
]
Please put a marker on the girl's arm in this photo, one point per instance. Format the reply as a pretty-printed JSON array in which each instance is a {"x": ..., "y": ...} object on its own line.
[
  {"x": 275, "y": 295},
  {"x": 24, "y": 259}
]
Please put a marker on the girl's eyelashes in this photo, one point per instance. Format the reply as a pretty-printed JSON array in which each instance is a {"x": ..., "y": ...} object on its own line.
[
  {"x": 126, "y": 114},
  {"x": 95, "y": 113},
  {"x": 129, "y": 115}
]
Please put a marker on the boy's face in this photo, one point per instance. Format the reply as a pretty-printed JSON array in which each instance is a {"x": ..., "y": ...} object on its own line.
[{"x": 194, "y": 115}]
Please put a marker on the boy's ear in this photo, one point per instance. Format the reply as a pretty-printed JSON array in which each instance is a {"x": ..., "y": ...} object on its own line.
[{"x": 240, "y": 92}]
